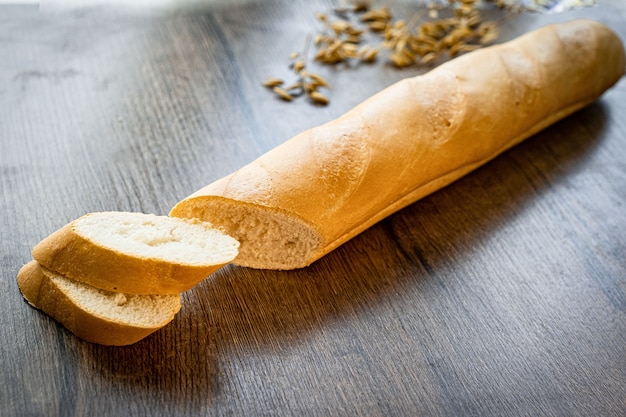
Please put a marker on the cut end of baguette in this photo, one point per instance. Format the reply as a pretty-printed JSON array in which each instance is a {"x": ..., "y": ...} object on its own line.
[
  {"x": 95, "y": 315},
  {"x": 136, "y": 253},
  {"x": 269, "y": 239},
  {"x": 189, "y": 242}
]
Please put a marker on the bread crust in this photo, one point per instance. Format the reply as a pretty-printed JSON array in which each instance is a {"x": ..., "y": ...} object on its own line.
[
  {"x": 42, "y": 293},
  {"x": 415, "y": 137},
  {"x": 75, "y": 256}
]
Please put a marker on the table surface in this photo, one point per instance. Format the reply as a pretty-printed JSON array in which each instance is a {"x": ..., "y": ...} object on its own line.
[{"x": 502, "y": 294}]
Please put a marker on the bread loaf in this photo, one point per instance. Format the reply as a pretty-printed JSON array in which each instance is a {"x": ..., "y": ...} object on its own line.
[
  {"x": 92, "y": 314},
  {"x": 136, "y": 253},
  {"x": 314, "y": 192}
]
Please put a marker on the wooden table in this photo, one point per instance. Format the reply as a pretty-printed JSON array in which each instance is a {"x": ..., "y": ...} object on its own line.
[{"x": 503, "y": 294}]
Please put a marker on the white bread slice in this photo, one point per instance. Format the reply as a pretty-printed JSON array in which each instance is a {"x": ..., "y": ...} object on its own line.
[
  {"x": 95, "y": 315},
  {"x": 136, "y": 253},
  {"x": 304, "y": 198}
]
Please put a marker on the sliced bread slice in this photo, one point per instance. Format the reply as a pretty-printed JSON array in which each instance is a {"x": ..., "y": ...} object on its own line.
[
  {"x": 136, "y": 253},
  {"x": 95, "y": 315}
]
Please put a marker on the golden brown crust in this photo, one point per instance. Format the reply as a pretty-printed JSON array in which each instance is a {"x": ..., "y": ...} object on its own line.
[
  {"x": 418, "y": 135},
  {"x": 42, "y": 293}
]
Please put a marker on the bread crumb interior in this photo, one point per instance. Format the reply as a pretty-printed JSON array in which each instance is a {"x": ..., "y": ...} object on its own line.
[
  {"x": 269, "y": 239},
  {"x": 137, "y": 310},
  {"x": 144, "y": 235}
]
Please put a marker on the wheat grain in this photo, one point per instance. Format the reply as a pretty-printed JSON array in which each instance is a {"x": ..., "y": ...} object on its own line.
[
  {"x": 272, "y": 82},
  {"x": 426, "y": 38}
]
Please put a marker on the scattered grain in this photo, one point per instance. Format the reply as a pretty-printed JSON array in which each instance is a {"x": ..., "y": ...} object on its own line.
[{"x": 426, "y": 38}]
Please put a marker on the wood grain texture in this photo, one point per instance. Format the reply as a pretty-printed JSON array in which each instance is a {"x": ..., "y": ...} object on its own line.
[{"x": 503, "y": 294}]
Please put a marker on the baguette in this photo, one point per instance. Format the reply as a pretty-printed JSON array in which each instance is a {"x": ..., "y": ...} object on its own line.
[
  {"x": 311, "y": 194},
  {"x": 92, "y": 314},
  {"x": 136, "y": 253}
]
